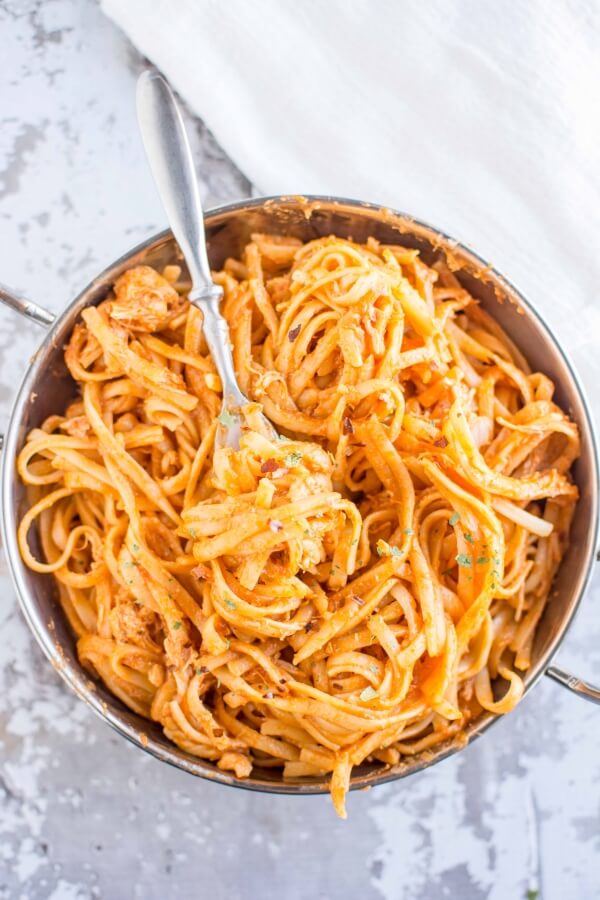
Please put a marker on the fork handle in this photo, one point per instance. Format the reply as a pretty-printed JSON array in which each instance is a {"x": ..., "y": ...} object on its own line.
[
  {"x": 170, "y": 158},
  {"x": 217, "y": 337}
]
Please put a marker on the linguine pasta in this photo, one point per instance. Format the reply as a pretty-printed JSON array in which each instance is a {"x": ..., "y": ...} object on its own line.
[{"x": 356, "y": 591}]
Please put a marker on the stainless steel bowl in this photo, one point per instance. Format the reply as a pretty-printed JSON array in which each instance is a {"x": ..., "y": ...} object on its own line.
[{"x": 47, "y": 388}]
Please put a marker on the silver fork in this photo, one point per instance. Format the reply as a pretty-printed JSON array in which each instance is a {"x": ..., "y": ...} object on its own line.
[{"x": 170, "y": 158}]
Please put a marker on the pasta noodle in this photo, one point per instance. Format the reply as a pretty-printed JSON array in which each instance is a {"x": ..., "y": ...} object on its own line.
[{"x": 356, "y": 591}]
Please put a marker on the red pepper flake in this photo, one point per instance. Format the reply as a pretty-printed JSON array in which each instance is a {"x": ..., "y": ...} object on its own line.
[
  {"x": 347, "y": 426},
  {"x": 441, "y": 442},
  {"x": 293, "y": 333},
  {"x": 275, "y": 525},
  {"x": 269, "y": 465}
]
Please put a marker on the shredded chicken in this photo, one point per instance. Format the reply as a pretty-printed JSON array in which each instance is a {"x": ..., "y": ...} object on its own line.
[
  {"x": 143, "y": 299},
  {"x": 133, "y": 623},
  {"x": 78, "y": 427}
]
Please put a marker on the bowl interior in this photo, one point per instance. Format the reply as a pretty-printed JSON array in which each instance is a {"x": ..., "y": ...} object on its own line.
[{"x": 47, "y": 389}]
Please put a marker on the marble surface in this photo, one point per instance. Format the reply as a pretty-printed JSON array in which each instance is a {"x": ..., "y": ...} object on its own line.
[{"x": 82, "y": 813}]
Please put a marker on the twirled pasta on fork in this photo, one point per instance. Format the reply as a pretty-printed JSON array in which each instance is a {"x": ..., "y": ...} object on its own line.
[{"x": 355, "y": 591}]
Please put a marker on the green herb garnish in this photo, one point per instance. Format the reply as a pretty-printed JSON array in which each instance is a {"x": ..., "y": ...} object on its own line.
[
  {"x": 226, "y": 418},
  {"x": 463, "y": 559},
  {"x": 482, "y": 560},
  {"x": 395, "y": 551},
  {"x": 368, "y": 693},
  {"x": 454, "y": 518},
  {"x": 408, "y": 531},
  {"x": 469, "y": 537},
  {"x": 177, "y": 625},
  {"x": 293, "y": 459},
  {"x": 230, "y": 603}
]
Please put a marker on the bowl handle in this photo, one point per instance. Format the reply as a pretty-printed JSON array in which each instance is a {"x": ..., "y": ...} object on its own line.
[
  {"x": 26, "y": 307},
  {"x": 583, "y": 688}
]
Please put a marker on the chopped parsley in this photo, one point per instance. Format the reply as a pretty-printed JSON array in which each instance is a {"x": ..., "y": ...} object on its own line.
[
  {"x": 469, "y": 537},
  {"x": 463, "y": 559},
  {"x": 230, "y": 603},
  {"x": 382, "y": 548},
  {"x": 226, "y": 418},
  {"x": 482, "y": 560},
  {"x": 177, "y": 625},
  {"x": 374, "y": 668},
  {"x": 532, "y": 894},
  {"x": 293, "y": 459},
  {"x": 408, "y": 531},
  {"x": 454, "y": 518},
  {"x": 368, "y": 694}
]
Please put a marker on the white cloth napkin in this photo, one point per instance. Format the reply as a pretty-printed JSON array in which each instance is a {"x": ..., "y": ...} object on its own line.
[{"x": 480, "y": 117}]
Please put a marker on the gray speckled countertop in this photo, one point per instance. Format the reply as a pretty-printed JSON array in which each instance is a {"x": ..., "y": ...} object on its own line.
[{"x": 82, "y": 813}]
